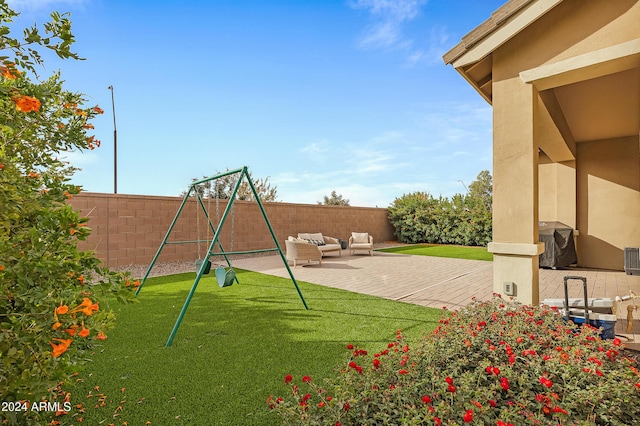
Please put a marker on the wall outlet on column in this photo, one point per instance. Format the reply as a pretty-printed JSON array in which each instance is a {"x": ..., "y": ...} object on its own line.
[{"x": 508, "y": 288}]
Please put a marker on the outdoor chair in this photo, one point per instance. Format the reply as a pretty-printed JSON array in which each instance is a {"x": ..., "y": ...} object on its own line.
[
  {"x": 361, "y": 241},
  {"x": 300, "y": 250}
]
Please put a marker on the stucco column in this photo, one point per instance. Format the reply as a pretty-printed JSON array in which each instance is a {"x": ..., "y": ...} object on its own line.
[{"x": 515, "y": 243}]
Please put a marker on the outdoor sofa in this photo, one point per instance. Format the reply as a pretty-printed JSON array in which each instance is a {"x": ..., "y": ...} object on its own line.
[
  {"x": 310, "y": 247},
  {"x": 325, "y": 244}
]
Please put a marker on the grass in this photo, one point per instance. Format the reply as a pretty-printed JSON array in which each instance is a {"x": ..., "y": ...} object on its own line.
[
  {"x": 458, "y": 252},
  {"x": 232, "y": 350}
]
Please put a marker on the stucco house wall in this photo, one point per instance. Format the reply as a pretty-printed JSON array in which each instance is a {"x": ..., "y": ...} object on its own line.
[{"x": 563, "y": 77}]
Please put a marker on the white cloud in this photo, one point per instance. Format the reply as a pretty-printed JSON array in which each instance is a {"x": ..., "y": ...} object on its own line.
[
  {"x": 389, "y": 18},
  {"x": 80, "y": 159},
  {"x": 315, "y": 148}
]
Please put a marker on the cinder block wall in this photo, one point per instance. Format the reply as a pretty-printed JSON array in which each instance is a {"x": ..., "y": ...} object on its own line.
[{"x": 128, "y": 229}]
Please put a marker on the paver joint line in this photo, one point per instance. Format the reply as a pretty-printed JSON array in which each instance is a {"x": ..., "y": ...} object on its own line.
[{"x": 444, "y": 281}]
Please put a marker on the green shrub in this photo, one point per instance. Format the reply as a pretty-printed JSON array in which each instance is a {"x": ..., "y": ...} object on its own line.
[
  {"x": 420, "y": 218},
  {"x": 51, "y": 312},
  {"x": 494, "y": 363}
]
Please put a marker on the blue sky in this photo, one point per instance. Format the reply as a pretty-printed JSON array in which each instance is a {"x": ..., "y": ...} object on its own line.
[{"x": 344, "y": 95}]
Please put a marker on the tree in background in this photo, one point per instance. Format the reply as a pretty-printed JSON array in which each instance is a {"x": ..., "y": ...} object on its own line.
[
  {"x": 482, "y": 189},
  {"x": 222, "y": 188},
  {"x": 53, "y": 312},
  {"x": 464, "y": 219},
  {"x": 334, "y": 200}
]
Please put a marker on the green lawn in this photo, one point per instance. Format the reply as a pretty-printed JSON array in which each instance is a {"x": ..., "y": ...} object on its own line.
[
  {"x": 232, "y": 351},
  {"x": 458, "y": 252}
]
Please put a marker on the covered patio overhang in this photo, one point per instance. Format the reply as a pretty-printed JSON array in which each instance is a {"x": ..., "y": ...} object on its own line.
[{"x": 566, "y": 129}]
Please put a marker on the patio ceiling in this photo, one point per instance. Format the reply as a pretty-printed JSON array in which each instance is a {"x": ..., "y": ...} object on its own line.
[{"x": 597, "y": 99}]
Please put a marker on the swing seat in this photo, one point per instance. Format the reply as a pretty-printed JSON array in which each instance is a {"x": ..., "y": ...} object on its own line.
[
  {"x": 225, "y": 277},
  {"x": 207, "y": 267}
]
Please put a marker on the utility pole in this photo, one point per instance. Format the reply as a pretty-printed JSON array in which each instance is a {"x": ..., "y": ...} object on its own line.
[{"x": 115, "y": 144}]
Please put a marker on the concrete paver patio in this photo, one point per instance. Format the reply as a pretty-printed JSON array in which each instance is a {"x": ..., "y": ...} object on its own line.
[
  {"x": 436, "y": 282},
  {"x": 433, "y": 281}
]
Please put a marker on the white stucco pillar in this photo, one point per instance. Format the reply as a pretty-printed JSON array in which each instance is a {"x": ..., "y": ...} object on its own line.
[{"x": 515, "y": 243}]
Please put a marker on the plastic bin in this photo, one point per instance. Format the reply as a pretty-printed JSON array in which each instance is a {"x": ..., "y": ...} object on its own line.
[{"x": 606, "y": 322}]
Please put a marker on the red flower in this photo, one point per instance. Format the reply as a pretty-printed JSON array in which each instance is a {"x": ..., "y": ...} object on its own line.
[
  {"x": 492, "y": 403},
  {"x": 376, "y": 363},
  {"x": 306, "y": 379},
  {"x": 451, "y": 388},
  {"x": 403, "y": 372},
  {"x": 449, "y": 380},
  {"x": 346, "y": 406},
  {"x": 504, "y": 383},
  {"x": 546, "y": 382},
  {"x": 349, "y": 346},
  {"x": 617, "y": 342},
  {"x": 288, "y": 378},
  {"x": 426, "y": 399},
  {"x": 557, "y": 409},
  {"x": 468, "y": 416}
]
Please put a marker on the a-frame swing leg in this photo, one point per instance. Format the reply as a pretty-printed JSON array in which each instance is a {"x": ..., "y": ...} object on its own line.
[
  {"x": 216, "y": 237},
  {"x": 164, "y": 240},
  {"x": 273, "y": 235}
]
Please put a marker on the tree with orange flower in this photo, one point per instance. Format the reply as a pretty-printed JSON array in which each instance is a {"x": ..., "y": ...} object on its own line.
[{"x": 53, "y": 309}]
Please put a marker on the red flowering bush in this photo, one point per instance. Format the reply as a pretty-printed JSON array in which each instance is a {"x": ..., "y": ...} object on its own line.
[{"x": 495, "y": 363}]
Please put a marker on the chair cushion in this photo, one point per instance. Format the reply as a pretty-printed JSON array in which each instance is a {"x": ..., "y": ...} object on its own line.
[
  {"x": 360, "y": 237},
  {"x": 316, "y": 236}
]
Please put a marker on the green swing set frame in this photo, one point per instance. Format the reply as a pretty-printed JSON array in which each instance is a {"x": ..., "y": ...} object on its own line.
[{"x": 226, "y": 275}]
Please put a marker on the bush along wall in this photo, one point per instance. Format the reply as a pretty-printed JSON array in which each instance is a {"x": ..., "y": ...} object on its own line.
[
  {"x": 462, "y": 220},
  {"x": 420, "y": 218}
]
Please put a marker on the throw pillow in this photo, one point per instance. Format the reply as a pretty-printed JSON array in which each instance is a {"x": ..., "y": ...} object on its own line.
[
  {"x": 360, "y": 237},
  {"x": 316, "y": 242},
  {"x": 317, "y": 236}
]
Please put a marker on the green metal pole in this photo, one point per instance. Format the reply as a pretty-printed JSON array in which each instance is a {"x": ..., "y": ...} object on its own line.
[
  {"x": 273, "y": 235},
  {"x": 216, "y": 236},
  {"x": 186, "y": 305},
  {"x": 164, "y": 241}
]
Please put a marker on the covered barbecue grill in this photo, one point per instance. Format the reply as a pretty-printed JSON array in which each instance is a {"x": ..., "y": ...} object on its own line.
[{"x": 559, "y": 246}]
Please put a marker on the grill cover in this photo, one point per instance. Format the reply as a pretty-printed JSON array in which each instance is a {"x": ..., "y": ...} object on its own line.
[{"x": 559, "y": 247}]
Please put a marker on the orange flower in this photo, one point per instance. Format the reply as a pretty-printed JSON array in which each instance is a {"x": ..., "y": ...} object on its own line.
[
  {"x": 60, "y": 348},
  {"x": 98, "y": 110},
  {"x": 27, "y": 103},
  {"x": 101, "y": 336},
  {"x": 84, "y": 332},
  {"x": 72, "y": 330},
  {"x": 86, "y": 307},
  {"x": 7, "y": 73},
  {"x": 1, "y": 267},
  {"x": 62, "y": 309},
  {"x": 57, "y": 325}
]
